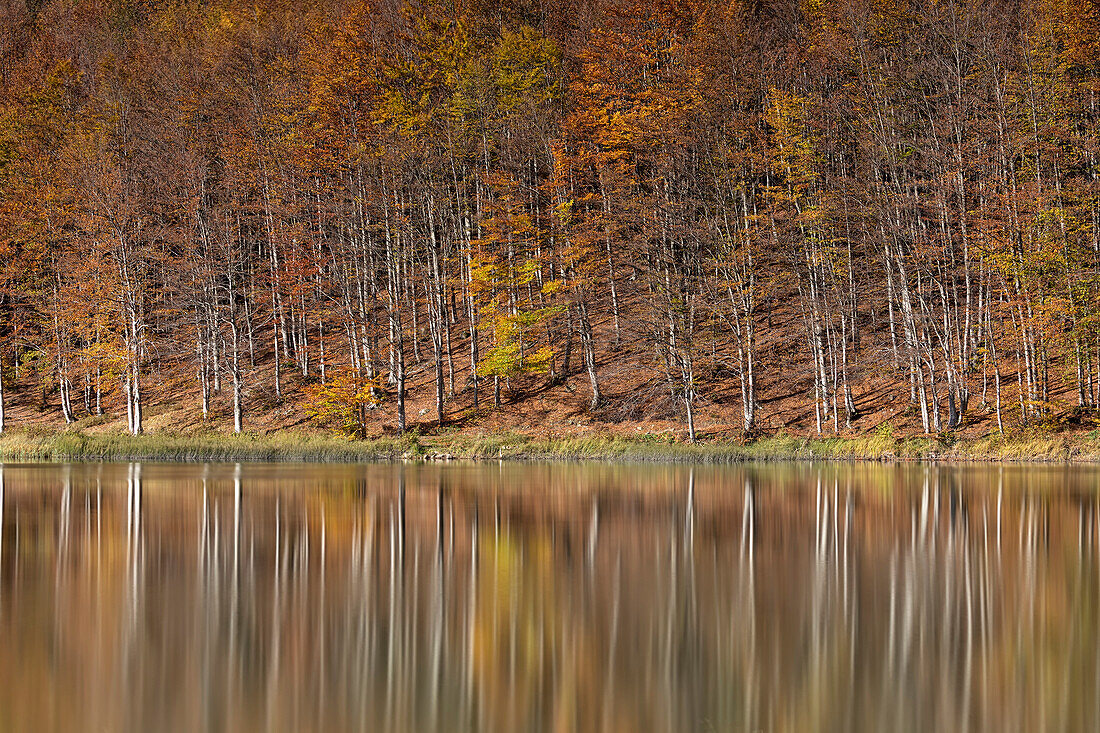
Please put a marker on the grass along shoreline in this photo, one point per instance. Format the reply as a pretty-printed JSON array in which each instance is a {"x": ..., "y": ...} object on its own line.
[{"x": 44, "y": 445}]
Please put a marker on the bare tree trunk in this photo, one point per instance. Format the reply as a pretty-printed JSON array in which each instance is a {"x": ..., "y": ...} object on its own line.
[
  {"x": 996, "y": 371},
  {"x": 589, "y": 355},
  {"x": 688, "y": 375},
  {"x": 129, "y": 401},
  {"x": 321, "y": 348},
  {"x": 3, "y": 424},
  {"x": 437, "y": 315},
  {"x": 203, "y": 372},
  {"x": 62, "y": 377},
  {"x": 400, "y": 348},
  {"x": 136, "y": 426},
  {"x": 610, "y": 264},
  {"x": 397, "y": 330},
  {"x": 276, "y": 357},
  {"x": 238, "y": 386},
  {"x": 472, "y": 313}
]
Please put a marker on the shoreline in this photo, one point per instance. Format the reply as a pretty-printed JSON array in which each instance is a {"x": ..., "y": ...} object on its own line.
[{"x": 39, "y": 445}]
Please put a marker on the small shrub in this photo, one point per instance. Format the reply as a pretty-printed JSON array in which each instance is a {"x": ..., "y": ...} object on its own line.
[{"x": 343, "y": 402}]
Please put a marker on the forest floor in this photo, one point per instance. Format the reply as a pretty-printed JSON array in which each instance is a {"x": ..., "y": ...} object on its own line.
[{"x": 543, "y": 418}]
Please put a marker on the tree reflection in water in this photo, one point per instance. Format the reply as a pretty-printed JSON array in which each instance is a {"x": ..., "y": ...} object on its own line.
[{"x": 549, "y": 597}]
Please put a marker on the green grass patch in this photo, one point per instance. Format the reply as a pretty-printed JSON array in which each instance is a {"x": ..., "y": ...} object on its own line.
[{"x": 75, "y": 443}]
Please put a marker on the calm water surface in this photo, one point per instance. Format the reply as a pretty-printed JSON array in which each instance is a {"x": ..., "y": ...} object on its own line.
[{"x": 549, "y": 598}]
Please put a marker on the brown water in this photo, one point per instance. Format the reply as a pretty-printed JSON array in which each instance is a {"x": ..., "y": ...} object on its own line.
[{"x": 549, "y": 598}]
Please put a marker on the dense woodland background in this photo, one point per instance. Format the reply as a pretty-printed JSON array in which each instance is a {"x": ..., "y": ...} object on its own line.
[{"x": 778, "y": 214}]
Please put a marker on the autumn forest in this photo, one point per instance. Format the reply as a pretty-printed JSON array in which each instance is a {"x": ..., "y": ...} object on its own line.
[{"x": 764, "y": 214}]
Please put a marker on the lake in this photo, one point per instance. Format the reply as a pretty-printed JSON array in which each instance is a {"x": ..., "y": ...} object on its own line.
[{"x": 549, "y": 597}]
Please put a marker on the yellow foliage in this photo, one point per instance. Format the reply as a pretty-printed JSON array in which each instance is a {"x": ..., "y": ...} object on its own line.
[{"x": 342, "y": 402}]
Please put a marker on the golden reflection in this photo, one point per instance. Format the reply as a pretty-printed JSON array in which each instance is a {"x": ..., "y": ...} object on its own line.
[{"x": 549, "y": 597}]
